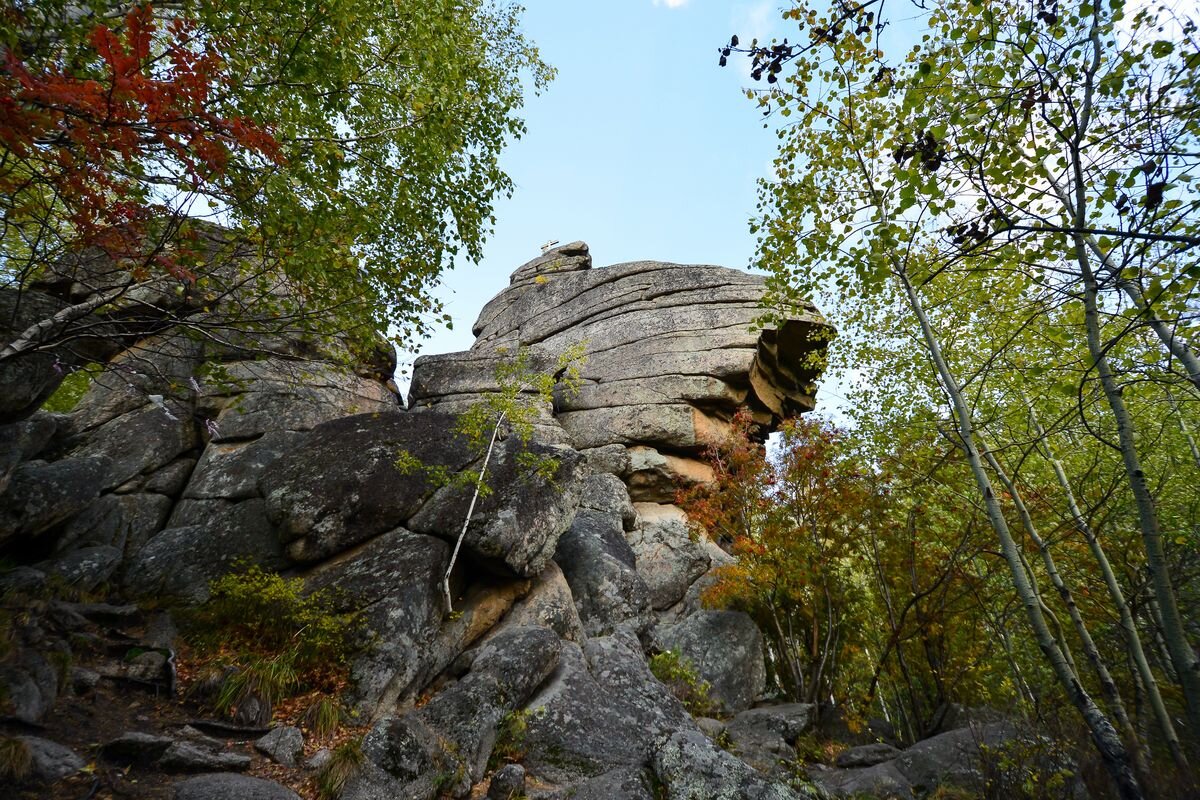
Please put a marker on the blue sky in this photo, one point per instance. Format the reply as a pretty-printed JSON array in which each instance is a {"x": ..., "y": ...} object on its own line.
[{"x": 643, "y": 146}]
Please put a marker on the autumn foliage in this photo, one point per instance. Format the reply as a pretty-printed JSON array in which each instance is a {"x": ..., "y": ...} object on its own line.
[
  {"x": 864, "y": 580},
  {"x": 100, "y": 137},
  {"x": 791, "y": 520}
]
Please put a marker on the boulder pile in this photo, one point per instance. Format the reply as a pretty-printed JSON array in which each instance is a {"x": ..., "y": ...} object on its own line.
[{"x": 169, "y": 472}]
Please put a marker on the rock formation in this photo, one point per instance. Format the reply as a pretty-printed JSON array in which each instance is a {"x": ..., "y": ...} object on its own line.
[{"x": 169, "y": 472}]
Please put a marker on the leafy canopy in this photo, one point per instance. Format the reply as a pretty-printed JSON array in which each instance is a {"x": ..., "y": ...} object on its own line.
[{"x": 355, "y": 140}]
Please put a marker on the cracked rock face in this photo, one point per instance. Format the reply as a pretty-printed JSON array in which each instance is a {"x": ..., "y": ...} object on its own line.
[{"x": 669, "y": 351}]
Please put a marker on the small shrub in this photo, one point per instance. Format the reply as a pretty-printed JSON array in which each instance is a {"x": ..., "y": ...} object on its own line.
[
  {"x": 1026, "y": 768},
  {"x": 685, "y": 683},
  {"x": 812, "y": 748},
  {"x": 16, "y": 760},
  {"x": 510, "y": 740},
  {"x": 267, "y": 680},
  {"x": 259, "y": 640},
  {"x": 723, "y": 740},
  {"x": 345, "y": 760},
  {"x": 263, "y": 612}
]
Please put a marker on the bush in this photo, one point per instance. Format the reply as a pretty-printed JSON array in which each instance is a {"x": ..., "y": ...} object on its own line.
[
  {"x": 510, "y": 740},
  {"x": 260, "y": 638},
  {"x": 685, "y": 683},
  {"x": 323, "y": 716},
  {"x": 257, "y": 611},
  {"x": 1030, "y": 767}
]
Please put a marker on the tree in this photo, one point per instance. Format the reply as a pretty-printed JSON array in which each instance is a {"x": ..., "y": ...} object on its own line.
[
  {"x": 791, "y": 522},
  {"x": 858, "y": 563},
  {"x": 1028, "y": 159},
  {"x": 353, "y": 144},
  {"x": 524, "y": 394}
]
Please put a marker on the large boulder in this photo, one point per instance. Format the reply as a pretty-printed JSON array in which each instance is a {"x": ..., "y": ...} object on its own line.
[
  {"x": 161, "y": 364},
  {"x": 866, "y": 755},
  {"x": 690, "y": 766},
  {"x": 766, "y": 737},
  {"x": 210, "y": 538},
  {"x": 277, "y": 394},
  {"x": 231, "y": 470},
  {"x": 877, "y": 780},
  {"x": 549, "y": 604},
  {"x": 51, "y": 761},
  {"x": 41, "y": 495},
  {"x": 29, "y": 685},
  {"x": 394, "y": 581},
  {"x": 951, "y": 758},
  {"x": 516, "y": 526},
  {"x": 344, "y": 485},
  {"x": 443, "y": 747},
  {"x": 21, "y": 441},
  {"x": 727, "y": 650},
  {"x": 601, "y": 571},
  {"x": 656, "y": 477},
  {"x": 140, "y": 441},
  {"x": 123, "y": 521},
  {"x": 602, "y": 710},
  {"x": 670, "y": 353},
  {"x": 230, "y": 786},
  {"x": 669, "y": 557}
]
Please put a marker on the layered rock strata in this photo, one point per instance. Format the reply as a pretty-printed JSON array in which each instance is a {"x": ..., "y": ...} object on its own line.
[{"x": 166, "y": 476}]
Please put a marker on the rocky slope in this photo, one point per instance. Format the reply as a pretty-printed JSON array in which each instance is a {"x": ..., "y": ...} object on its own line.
[{"x": 168, "y": 473}]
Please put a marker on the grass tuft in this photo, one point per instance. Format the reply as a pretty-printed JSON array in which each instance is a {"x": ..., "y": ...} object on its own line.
[
  {"x": 323, "y": 716},
  {"x": 16, "y": 760},
  {"x": 344, "y": 762}
]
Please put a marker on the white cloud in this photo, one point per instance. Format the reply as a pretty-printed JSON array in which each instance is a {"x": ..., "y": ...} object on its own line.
[{"x": 671, "y": 3}]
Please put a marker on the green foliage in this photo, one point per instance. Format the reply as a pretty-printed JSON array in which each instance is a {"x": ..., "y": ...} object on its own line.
[
  {"x": 861, "y": 566},
  {"x": 357, "y": 142},
  {"x": 685, "y": 683},
  {"x": 795, "y": 523},
  {"x": 510, "y": 740},
  {"x": 267, "y": 679},
  {"x": 526, "y": 386},
  {"x": 1026, "y": 768},
  {"x": 1004, "y": 227},
  {"x": 346, "y": 760},
  {"x": 260, "y": 637},
  {"x": 812, "y": 748},
  {"x": 16, "y": 760},
  {"x": 722, "y": 739},
  {"x": 253, "y": 610}
]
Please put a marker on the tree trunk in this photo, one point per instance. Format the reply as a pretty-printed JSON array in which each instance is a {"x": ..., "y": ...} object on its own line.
[
  {"x": 1133, "y": 641},
  {"x": 1108, "y": 687},
  {"x": 1111, "y": 749},
  {"x": 1183, "y": 657}
]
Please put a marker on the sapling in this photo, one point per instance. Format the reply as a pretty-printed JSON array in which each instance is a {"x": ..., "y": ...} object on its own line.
[{"x": 513, "y": 406}]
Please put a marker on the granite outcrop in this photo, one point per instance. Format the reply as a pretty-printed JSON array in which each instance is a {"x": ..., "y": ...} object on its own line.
[{"x": 169, "y": 473}]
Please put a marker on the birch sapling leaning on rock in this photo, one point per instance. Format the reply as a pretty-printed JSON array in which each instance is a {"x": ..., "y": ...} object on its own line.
[{"x": 523, "y": 395}]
